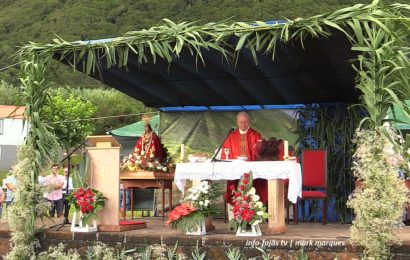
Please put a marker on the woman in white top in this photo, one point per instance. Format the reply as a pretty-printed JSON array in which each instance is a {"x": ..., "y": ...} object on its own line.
[{"x": 70, "y": 182}]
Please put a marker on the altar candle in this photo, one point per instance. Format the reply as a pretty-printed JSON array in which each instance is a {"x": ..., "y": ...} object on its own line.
[
  {"x": 182, "y": 151},
  {"x": 286, "y": 148}
]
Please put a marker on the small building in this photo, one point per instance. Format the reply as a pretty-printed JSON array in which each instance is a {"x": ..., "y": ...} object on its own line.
[{"x": 12, "y": 134}]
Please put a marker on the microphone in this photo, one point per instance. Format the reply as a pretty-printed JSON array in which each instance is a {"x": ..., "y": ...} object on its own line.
[{"x": 232, "y": 129}]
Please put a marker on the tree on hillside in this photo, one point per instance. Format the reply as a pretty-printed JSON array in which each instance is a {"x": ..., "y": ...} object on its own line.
[{"x": 69, "y": 134}]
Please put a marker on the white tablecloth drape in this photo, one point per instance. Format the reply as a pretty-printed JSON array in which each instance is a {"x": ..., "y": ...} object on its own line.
[{"x": 268, "y": 170}]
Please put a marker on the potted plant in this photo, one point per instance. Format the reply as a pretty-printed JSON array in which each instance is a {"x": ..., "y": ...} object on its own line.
[
  {"x": 248, "y": 211},
  {"x": 86, "y": 201},
  {"x": 197, "y": 205}
]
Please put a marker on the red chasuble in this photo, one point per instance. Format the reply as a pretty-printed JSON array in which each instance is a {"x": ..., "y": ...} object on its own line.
[{"x": 242, "y": 145}]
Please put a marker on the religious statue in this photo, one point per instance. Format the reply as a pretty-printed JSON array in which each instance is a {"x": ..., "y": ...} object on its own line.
[{"x": 149, "y": 144}]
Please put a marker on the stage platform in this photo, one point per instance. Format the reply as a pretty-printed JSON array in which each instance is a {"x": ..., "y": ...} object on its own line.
[{"x": 321, "y": 241}]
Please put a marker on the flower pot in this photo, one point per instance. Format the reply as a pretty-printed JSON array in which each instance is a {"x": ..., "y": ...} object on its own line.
[
  {"x": 80, "y": 228},
  {"x": 255, "y": 232},
  {"x": 199, "y": 230},
  {"x": 407, "y": 183},
  {"x": 358, "y": 184}
]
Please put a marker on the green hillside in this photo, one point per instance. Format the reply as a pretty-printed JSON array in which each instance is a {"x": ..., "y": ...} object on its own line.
[{"x": 22, "y": 21}]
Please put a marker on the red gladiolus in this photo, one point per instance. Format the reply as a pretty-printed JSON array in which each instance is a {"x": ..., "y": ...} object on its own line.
[
  {"x": 90, "y": 207},
  {"x": 83, "y": 210},
  {"x": 246, "y": 175},
  {"x": 232, "y": 187},
  {"x": 238, "y": 194},
  {"x": 245, "y": 198},
  {"x": 245, "y": 182},
  {"x": 242, "y": 187}
]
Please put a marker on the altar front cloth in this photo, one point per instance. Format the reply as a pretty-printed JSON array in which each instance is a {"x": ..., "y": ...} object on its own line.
[{"x": 269, "y": 170}]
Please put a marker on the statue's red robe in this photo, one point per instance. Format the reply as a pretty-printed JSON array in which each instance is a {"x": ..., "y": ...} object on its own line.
[
  {"x": 233, "y": 142},
  {"x": 155, "y": 146}
]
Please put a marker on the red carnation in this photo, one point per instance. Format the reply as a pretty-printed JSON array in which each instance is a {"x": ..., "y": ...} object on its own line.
[
  {"x": 81, "y": 193},
  {"x": 88, "y": 191},
  {"x": 81, "y": 190},
  {"x": 242, "y": 187},
  {"x": 251, "y": 213},
  {"x": 245, "y": 182},
  {"x": 91, "y": 200},
  {"x": 78, "y": 204},
  {"x": 246, "y": 175},
  {"x": 75, "y": 193},
  {"x": 92, "y": 194},
  {"x": 238, "y": 194},
  {"x": 232, "y": 187},
  {"x": 90, "y": 207},
  {"x": 83, "y": 210},
  {"x": 84, "y": 203},
  {"x": 248, "y": 218},
  {"x": 245, "y": 198}
]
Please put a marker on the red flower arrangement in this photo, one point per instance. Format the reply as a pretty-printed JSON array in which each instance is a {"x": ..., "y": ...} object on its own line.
[
  {"x": 180, "y": 211},
  {"x": 247, "y": 209},
  {"x": 87, "y": 201}
]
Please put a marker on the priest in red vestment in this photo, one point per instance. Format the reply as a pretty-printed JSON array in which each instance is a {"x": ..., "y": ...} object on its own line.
[{"x": 240, "y": 143}]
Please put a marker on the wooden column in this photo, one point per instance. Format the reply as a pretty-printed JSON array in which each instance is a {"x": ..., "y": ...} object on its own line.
[{"x": 276, "y": 207}]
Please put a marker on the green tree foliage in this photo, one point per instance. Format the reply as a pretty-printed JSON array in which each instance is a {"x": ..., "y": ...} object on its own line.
[{"x": 69, "y": 134}]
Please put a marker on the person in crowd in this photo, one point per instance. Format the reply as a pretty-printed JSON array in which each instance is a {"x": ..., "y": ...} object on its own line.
[
  {"x": 1, "y": 202},
  {"x": 42, "y": 181},
  {"x": 69, "y": 180},
  {"x": 55, "y": 196},
  {"x": 11, "y": 183},
  {"x": 240, "y": 143}
]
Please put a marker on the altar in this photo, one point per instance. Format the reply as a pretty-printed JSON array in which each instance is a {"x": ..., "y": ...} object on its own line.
[{"x": 274, "y": 171}]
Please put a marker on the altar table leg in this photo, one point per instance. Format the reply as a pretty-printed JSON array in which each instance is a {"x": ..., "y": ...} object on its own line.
[
  {"x": 170, "y": 199},
  {"x": 124, "y": 192},
  {"x": 276, "y": 224},
  {"x": 132, "y": 203},
  {"x": 163, "y": 202}
]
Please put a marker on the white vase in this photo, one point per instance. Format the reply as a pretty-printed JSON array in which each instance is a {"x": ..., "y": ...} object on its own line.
[
  {"x": 200, "y": 229},
  {"x": 255, "y": 232},
  {"x": 80, "y": 227}
]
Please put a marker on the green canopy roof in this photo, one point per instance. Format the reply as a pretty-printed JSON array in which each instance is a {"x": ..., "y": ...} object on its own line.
[{"x": 137, "y": 129}]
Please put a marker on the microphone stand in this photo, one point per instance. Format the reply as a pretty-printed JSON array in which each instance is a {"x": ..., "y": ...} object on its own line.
[
  {"x": 220, "y": 147},
  {"x": 68, "y": 158}
]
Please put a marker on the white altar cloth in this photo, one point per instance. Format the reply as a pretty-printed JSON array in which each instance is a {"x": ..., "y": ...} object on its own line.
[{"x": 268, "y": 170}]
